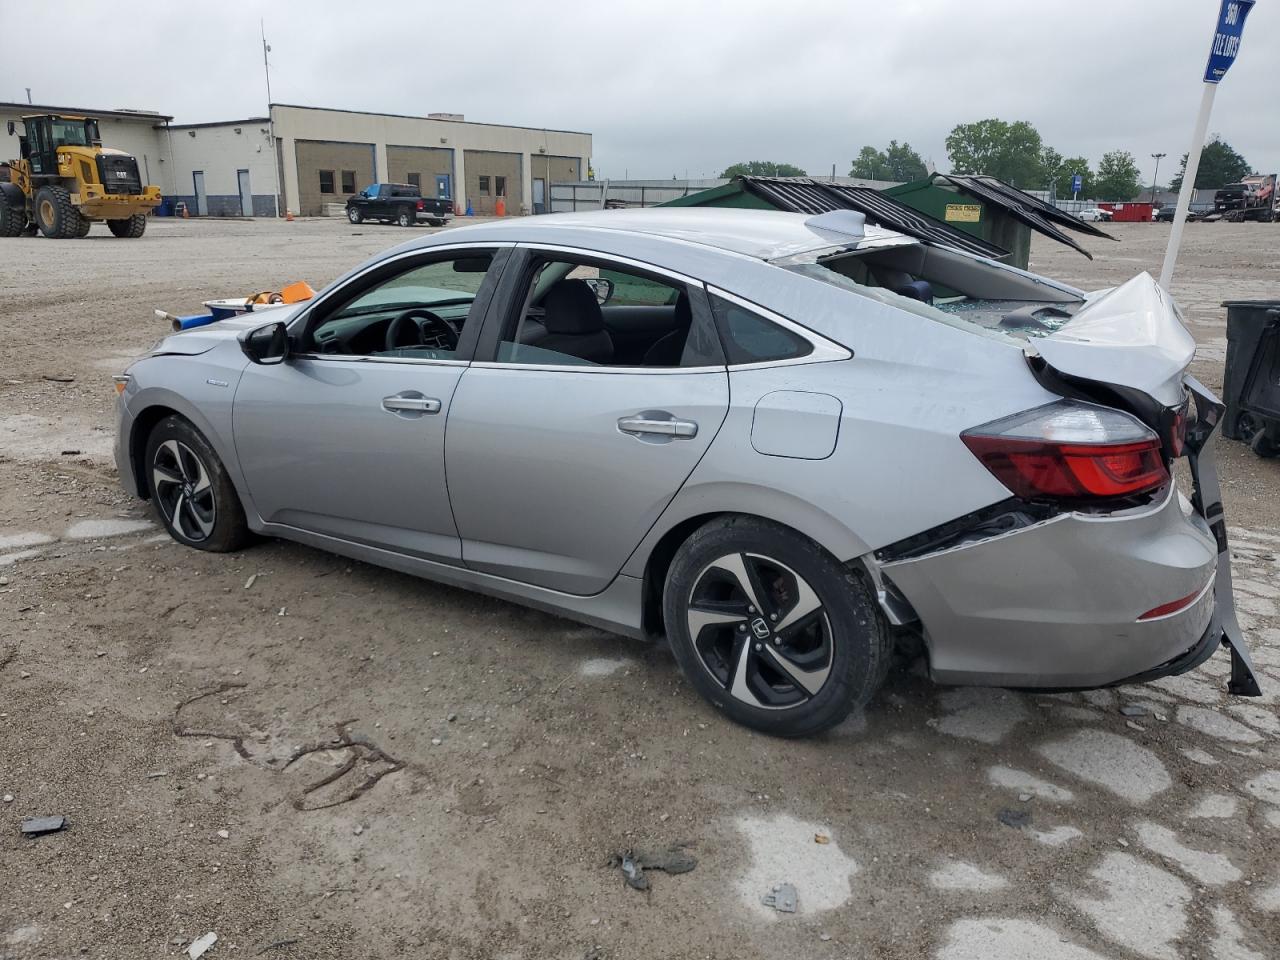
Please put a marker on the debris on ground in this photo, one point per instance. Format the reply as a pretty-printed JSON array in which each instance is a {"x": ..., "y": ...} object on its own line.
[
  {"x": 1014, "y": 818},
  {"x": 784, "y": 898},
  {"x": 633, "y": 864},
  {"x": 200, "y": 946},
  {"x": 58, "y": 378},
  {"x": 279, "y": 943},
  {"x": 1134, "y": 726},
  {"x": 249, "y": 583},
  {"x": 1134, "y": 710},
  {"x": 34, "y": 826},
  {"x": 821, "y": 838}
]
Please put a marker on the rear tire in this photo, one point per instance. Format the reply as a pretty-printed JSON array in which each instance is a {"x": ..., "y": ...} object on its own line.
[
  {"x": 1264, "y": 445},
  {"x": 56, "y": 215},
  {"x": 405, "y": 218},
  {"x": 130, "y": 228},
  {"x": 13, "y": 219},
  {"x": 791, "y": 649},
  {"x": 191, "y": 492}
]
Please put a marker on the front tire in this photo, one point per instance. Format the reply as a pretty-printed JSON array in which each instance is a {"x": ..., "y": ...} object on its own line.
[
  {"x": 130, "y": 228},
  {"x": 56, "y": 215},
  {"x": 773, "y": 630},
  {"x": 354, "y": 215},
  {"x": 190, "y": 490}
]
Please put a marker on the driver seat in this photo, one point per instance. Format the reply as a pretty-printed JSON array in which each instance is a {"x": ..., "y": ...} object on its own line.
[{"x": 572, "y": 323}]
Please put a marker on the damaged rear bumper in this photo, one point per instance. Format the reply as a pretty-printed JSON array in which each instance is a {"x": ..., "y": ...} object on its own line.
[{"x": 1058, "y": 603}]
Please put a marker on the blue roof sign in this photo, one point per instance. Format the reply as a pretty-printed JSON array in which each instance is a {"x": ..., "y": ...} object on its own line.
[{"x": 1226, "y": 38}]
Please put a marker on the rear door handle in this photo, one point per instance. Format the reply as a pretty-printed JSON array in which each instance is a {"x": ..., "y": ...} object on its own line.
[
  {"x": 410, "y": 404},
  {"x": 663, "y": 427}
]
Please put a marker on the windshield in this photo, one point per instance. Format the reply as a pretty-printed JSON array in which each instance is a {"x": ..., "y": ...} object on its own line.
[
  {"x": 69, "y": 133},
  {"x": 947, "y": 286}
]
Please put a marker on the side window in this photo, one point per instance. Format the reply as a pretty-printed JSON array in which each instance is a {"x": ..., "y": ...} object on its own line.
[
  {"x": 569, "y": 314},
  {"x": 348, "y": 181},
  {"x": 500, "y": 186},
  {"x": 484, "y": 186},
  {"x": 750, "y": 338},
  {"x": 326, "y": 181},
  {"x": 416, "y": 312}
]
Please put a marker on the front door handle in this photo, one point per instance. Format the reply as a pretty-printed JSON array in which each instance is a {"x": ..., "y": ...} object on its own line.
[
  {"x": 400, "y": 403},
  {"x": 658, "y": 425}
]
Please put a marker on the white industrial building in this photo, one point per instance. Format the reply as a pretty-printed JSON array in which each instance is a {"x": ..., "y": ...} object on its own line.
[{"x": 322, "y": 156}]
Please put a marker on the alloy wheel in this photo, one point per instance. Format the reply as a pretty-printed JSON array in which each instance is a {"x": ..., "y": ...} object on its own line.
[
  {"x": 760, "y": 630},
  {"x": 183, "y": 490}
]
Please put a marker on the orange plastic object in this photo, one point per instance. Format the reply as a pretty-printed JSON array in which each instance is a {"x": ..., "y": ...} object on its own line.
[
  {"x": 297, "y": 291},
  {"x": 500, "y": 208}
]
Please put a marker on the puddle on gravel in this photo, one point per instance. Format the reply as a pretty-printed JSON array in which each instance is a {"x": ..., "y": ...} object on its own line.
[
  {"x": 1117, "y": 763},
  {"x": 26, "y": 437},
  {"x": 106, "y": 527},
  {"x": 784, "y": 850},
  {"x": 988, "y": 938}
]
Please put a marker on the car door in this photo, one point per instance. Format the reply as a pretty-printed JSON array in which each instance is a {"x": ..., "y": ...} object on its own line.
[
  {"x": 558, "y": 467},
  {"x": 346, "y": 437}
]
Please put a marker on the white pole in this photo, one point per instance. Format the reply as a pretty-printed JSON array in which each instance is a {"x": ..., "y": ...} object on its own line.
[
  {"x": 1188, "y": 184},
  {"x": 271, "y": 121}
]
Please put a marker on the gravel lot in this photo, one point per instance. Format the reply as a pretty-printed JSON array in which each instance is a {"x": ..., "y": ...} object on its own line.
[{"x": 336, "y": 761}]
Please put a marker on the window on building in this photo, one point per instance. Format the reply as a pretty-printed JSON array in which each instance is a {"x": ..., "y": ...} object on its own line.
[
  {"x": 326, "y": 181},
  {"x": 499, "y": 186},
  {"x": 348, "y": 181},
  {"x": 415, "y": 180},
  {"x": 484, "y": 186}
]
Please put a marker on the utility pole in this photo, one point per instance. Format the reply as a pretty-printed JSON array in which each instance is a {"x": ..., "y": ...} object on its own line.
[
  {"x": 1155, "y": 177},
  {"x": 271, "y": 121}
]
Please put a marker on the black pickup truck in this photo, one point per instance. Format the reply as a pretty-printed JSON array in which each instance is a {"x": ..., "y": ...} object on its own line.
[{"x": 401, "y": 203}]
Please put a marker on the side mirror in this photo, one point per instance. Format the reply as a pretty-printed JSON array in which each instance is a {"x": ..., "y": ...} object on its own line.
[
  {"x": 267, "y": 344},
  {"x": 365, "y": 194},
  {"x": 603, "y": 288}
]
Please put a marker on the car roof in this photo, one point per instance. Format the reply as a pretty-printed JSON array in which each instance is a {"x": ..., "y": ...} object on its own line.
[{"x": 762, "y": 234}]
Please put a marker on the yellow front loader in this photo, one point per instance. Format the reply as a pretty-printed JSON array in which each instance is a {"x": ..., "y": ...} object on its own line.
[{"x": 66, "y": 179}]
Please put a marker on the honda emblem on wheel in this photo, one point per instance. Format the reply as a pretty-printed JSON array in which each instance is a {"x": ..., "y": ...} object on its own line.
[{"x": 760, "y": 628}]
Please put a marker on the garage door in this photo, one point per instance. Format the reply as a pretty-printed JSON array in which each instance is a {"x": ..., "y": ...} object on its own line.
[
  {"x": 420, "y": 166},
  {"x": 330, "y": 171},
  {"x": 490, "y": 174}
]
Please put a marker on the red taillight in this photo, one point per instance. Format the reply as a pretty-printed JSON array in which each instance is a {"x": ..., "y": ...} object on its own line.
[
  {"x": 422, "y": 205},
  {"x": 1070, "y": 450}
]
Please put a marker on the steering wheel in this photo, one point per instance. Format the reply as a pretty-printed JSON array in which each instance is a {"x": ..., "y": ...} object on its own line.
[{"x": 409, "y": 329}]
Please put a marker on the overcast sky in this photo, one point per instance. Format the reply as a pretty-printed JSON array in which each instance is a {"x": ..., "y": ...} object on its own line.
[{"x": 681, "y": 88}]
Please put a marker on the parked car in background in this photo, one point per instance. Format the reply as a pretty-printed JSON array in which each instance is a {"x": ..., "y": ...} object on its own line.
[
  {"x": 769, "y": 438},
  {"x": 1165, "y": 213},
  {"x": 400, "y": 203},
  {"x": 1095, "y": 214}
]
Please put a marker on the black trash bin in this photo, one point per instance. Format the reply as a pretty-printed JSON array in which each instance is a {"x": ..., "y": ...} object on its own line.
[{"x": 1251, "y": 383}]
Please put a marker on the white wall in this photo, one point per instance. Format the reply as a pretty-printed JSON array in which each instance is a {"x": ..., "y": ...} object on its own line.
[
  {"x": 220, "y": 151},
  {"x": 306, "y": 123},
  {"x": 137, "y": 137}
]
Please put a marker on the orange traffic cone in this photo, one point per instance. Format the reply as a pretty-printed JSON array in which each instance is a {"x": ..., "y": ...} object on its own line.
[
  {"x": 288, "y": 215},
  {"x": 500, "y": 208}
]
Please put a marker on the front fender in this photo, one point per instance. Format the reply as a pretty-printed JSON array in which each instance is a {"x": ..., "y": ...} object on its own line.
[{"x": 202, "y": 391}]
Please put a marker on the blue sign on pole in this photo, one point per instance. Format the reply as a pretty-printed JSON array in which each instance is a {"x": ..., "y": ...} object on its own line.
[
  {"x": 1077, "y": 183},
  {"x": 1226, "y": 38}
]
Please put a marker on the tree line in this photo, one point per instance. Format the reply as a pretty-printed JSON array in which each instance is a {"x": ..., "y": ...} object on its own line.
[{"x": 1016, "y": 153}]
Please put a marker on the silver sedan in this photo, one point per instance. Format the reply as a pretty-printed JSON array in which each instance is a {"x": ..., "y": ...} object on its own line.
[{"x": 779, "y": 442}]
